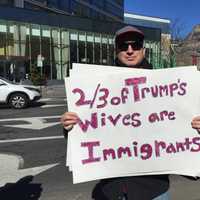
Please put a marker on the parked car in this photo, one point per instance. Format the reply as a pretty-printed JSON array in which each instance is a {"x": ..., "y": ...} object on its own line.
[{"x": 16, "y": 95}]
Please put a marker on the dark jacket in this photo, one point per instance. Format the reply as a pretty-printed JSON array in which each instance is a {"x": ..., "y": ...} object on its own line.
[{"x": 134, "y": 187}]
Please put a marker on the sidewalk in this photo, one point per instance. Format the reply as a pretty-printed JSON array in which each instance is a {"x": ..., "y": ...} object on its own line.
[
  {"x": 11, "y": 169},
  {"x": 182, "y": 188},
  {"x": 53, "y": 91}
]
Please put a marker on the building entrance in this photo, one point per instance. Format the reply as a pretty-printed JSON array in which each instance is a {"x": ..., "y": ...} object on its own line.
[{"x": 13, "y": 70}]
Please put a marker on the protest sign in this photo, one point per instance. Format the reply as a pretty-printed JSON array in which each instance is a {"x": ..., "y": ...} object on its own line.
[
  {"x": 134, "y": 123},
  {"x": 83, "y": 69}
]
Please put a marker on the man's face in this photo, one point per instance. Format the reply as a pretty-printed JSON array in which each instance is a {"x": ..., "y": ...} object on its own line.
[{"x": 130, "y": 53}]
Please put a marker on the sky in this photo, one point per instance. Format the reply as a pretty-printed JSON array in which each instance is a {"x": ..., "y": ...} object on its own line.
[{"x": 186, "y": 12}]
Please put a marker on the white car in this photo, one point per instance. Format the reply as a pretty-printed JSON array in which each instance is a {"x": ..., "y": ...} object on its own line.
[{"x": 17, "y": 96}]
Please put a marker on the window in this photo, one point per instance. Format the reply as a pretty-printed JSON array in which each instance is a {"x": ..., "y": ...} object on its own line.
[
  {"x": 46, "y": 51},
  {"x": 99, "y": 4},
  {"x": 35, "y": 43},
  {"x": 81, "y": 10},
  {"x": 82, "y": 47},
  {"x": 119, "y": 2},
  {"x": 97, "y": 42},
  {"x": 7, "y": 2},
  {"x": 73, "y": 47},
  {"x": 65, "y": 52},
  {"x": 19, "y": 3},
  {"x": 104, "y": 43},
  {"x": 111, "y": 51},
  {"x": 56, "y": 54},
  {"x": 2, "y": 40},
  {"x": 90, "y": 47}
]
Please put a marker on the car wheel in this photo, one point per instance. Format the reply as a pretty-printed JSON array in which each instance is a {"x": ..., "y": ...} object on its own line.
[{"x": 18, "y": 101}]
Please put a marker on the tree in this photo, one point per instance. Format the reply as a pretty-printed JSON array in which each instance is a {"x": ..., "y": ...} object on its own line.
[
  {"x": 36, "y": 77},
  {"x": 177, "y": 29}
]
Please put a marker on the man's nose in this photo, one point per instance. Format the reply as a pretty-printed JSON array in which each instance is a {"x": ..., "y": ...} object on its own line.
[{"x": 130, "y": 49}]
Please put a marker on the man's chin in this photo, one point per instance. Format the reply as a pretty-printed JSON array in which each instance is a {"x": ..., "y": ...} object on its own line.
[{"x": 130, "y": 64}]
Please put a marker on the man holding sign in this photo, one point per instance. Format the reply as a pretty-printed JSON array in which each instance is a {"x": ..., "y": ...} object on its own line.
[{"x": 130, "y": 53}]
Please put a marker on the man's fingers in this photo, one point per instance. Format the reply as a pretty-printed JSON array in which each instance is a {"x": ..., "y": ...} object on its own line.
[
  {"x": 70, "y": 114},
  {"x": 69, "y": 122},
  {"x": 68, "y": 117},
  {"x": 197, "y": 118},
  {"x": 195, "y": 123}
]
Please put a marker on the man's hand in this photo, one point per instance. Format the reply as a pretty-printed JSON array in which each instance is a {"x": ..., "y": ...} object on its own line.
[
  {"x": 196, "y": 123},
  {"x": 68, "y": 120}
]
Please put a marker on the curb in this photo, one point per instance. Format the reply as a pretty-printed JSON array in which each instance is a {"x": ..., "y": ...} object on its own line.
[{"x": 10, "y": 162}]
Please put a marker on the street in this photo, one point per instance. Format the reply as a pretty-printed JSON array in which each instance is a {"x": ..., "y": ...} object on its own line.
[{"x": 34, "y": 137}]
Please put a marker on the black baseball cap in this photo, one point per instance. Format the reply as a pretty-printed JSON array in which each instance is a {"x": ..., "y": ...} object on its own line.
[{"x": 128, "y": 33}]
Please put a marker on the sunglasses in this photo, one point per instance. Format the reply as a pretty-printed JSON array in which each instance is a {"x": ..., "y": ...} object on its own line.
[{"x": 134, "y": 45}]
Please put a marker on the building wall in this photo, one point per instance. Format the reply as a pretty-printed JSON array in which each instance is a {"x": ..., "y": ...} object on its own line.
[
  {"x": 7, "y": 2},
  {"x": 188, "y": 50},
  {"x": 101, "y": 10},
  {"x": 60, "y": 4},
  {"x": 146, "y": 21}
]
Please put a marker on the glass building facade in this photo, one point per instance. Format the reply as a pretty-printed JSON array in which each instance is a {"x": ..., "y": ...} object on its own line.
[
  {"x": 101, "y": 10},
  {"x": 52, "y": 49},
  {"x": 51, "y": 42}
]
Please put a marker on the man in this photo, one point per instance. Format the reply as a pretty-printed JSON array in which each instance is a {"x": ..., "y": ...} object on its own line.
[
  {"x": 130, "y": 52},
  {"x": 129, "y": 48}
]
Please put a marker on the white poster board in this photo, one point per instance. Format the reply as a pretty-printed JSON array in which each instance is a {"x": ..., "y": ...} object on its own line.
[{"x": 133, "y": 123}]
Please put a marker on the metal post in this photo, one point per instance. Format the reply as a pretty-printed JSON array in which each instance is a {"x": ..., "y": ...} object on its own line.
[
  {"x": 41, "y": 48},
  {"x": 51, "y": 59}
]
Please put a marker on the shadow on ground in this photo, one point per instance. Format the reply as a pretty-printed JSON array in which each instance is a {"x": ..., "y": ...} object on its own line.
[
  {"x": 21, "y": 190},
  {"x": 32, "y": 104},
  {"x": 36, "y": 104}
]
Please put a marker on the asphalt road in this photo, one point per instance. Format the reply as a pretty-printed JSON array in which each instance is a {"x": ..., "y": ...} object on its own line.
[{"x": 35, "y": 135}]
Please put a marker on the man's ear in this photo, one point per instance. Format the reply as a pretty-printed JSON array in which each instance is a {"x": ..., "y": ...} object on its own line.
[
  {"x": 117, "y": 50},
  {"x": 144, "y": 51}
]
